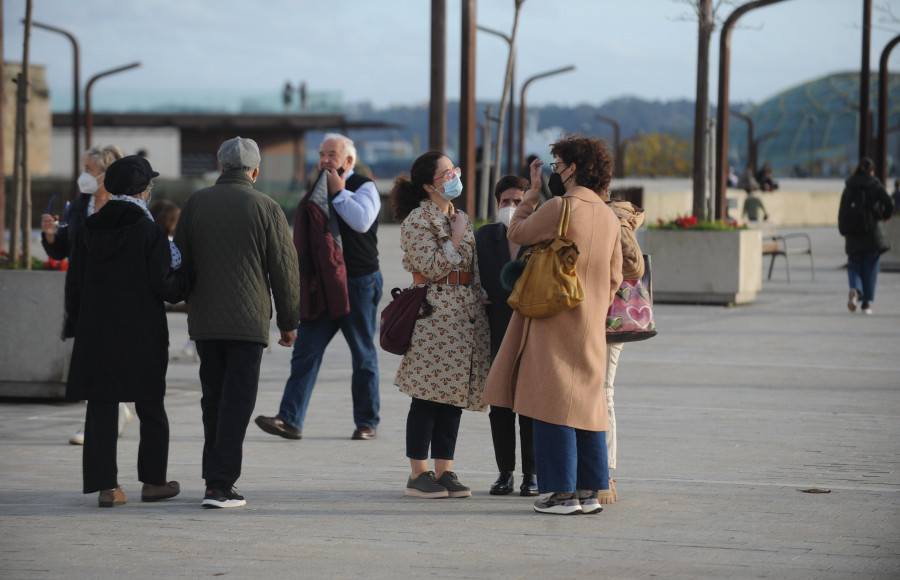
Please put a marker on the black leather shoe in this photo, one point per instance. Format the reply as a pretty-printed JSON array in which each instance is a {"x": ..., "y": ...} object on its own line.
[
  {"x": 275, "y": 426},
  {"x": 504, "y": 484},
  {"x": 529, "y": 485},
  {"x": 363, "y": 434}
]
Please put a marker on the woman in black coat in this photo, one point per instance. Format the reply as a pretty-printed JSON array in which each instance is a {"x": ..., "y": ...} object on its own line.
[{"x": 116, "y": 286}]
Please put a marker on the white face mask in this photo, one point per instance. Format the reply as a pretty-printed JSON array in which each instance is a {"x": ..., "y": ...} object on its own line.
[
  {"x": 505, "y": 214},
  {"x": 87, "y": 183}
]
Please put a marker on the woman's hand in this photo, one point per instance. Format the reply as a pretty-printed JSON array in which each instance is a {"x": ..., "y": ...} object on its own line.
[
  {"x": 48, "y": 226},
  {"x": 536, "y": 183},
  {"x": 458, "y": 223}
]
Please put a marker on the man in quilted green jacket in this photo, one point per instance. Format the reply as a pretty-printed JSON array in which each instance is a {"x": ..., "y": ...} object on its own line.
[{"x": 235, "y": 245}]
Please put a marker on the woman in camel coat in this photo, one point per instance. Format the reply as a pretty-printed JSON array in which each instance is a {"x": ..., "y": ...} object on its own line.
[{"x": 553, "y": 369}]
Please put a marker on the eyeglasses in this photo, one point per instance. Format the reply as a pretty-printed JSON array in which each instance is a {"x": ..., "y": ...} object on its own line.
[
  {"x": 553, "y": 166},
  {"x": 151, "y": 186},
  {"x": 450, "y": 174}
]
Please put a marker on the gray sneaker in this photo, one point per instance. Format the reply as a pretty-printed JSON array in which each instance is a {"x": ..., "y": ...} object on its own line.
[
  {"x": 449, "y": 481},
  {"x": 564, "y": 504},
  {"x": 425, "y": 485}
]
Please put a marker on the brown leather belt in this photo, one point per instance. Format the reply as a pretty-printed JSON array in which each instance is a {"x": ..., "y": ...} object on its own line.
[{"x": 455, "y": 277}]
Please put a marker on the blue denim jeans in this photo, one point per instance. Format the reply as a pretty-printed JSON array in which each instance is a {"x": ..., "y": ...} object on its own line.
[
  {"x": 862, "y": 272},
  {"x": 358, "y": 328},
  {"x": 569, "y": 459}
]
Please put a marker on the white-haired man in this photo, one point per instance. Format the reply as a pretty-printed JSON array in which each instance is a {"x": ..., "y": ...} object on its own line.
[{"x": 357, "y": 204}]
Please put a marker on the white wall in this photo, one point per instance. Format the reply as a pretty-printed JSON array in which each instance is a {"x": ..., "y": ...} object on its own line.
[{"x": 162, "y": 144}]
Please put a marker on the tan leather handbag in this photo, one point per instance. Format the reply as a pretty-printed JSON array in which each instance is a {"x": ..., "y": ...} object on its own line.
[{"x": 548, "y": 285}]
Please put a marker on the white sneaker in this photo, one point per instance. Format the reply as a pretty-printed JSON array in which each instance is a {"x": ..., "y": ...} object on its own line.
[
  {"x": 125, "y": 417},
  {"x": 77, "y": 438}
]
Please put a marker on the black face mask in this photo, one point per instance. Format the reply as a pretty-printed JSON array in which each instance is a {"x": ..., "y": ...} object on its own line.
[{"x": 557, "y": 185}]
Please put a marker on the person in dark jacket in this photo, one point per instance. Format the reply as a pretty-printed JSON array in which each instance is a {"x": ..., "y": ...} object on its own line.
[
  {"x": 354, "y": 205},
  {"x": 495, "y": 251},
  {"x": 239, "y": 258},
  {"x": 121, "y": 275},
  {"x": 58, "y": 239},
  {"x": 864, "y": 249}
]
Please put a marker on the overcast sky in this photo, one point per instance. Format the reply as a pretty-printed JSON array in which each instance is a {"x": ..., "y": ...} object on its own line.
[{"x": 378, "y": 50}]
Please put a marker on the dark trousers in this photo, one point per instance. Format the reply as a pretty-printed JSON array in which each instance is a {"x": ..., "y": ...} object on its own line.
[
  {"x": 101, "y": 437},
  {"x": 431, "y": 424},
  {"x": 503, "y": 432},
  {"x": 229, "y": 376}
]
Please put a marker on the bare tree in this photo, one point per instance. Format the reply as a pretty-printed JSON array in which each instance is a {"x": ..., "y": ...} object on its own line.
[{"x": 705, "y": 13}]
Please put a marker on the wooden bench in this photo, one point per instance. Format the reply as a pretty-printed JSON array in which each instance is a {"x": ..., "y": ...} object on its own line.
[{"x": 775, "y": 245}]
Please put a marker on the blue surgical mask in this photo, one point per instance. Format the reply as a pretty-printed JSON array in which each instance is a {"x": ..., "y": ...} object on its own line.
[{"x": 452, "y": 189}]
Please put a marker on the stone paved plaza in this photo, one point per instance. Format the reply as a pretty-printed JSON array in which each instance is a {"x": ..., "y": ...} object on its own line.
[{"x": 723, "y": 419}]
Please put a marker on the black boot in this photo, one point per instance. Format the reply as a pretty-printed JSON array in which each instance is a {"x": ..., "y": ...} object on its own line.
[
  {"x": 529, "y": 485},
  {"x": 504, "y": 484}
]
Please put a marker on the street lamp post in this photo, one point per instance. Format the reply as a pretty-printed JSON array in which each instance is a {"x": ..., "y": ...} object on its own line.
[
  {"x": 881, "y": 147},
  {"x": 522, "y": 107},
  {"x": 723, "y": 107},
  {"x": 510, "y": 130},
  {"x": 76, "y": 91},
  {"x": 88, "y": 114},
  {"x": 619, "y": 169}
]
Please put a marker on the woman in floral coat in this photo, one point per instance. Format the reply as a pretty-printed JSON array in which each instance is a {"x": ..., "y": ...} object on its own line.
[{"x": 445, "y": 368}]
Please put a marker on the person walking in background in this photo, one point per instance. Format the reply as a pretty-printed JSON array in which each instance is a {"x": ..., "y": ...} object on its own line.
[
  {"x": 58, "y": 240},
  {"x": 236, "y": 245},
  {"x": 551, "y": 369},
  {"x": 864, "y": 205},
  {"x": 446, "y": 365},
  {"x": 752, "y": 208},
  {"x": 494, "y": 252},
  {"x": 356, "y": 204},
  {"x": 120, "y": 276},
  {"x": 895, "y": 196}
]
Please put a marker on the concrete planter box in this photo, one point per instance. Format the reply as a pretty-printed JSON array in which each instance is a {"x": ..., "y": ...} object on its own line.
[
  {"x": 890, "y": 260},
  {"x": 705, "y": 267},
  {"x": 34, "y": 361}
]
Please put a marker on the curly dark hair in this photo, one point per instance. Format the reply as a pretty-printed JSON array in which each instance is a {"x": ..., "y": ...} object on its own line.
[
  {"x": 508, "y": 181},
  {"x": 592, "y": 159},
  {"x": 407, "y": 191}
]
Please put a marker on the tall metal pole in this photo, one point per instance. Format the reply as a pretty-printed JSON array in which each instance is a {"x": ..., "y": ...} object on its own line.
[
  {"x": 511, "y": 128},
  {"x": 865, "y": 131},
  {"x": 619, "y": 168},
  {"x": 723, "y": 104},
  {"x": 523, "y": 108},
  {"x": 467, "y": 105},
  {"x": 437, "y": 110},
  {"x": 701, "y": 106},
  {"x": 881, "y": 149},
  {"x": 76, "y": 102},
  {"x": 88, "y": 114}
]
